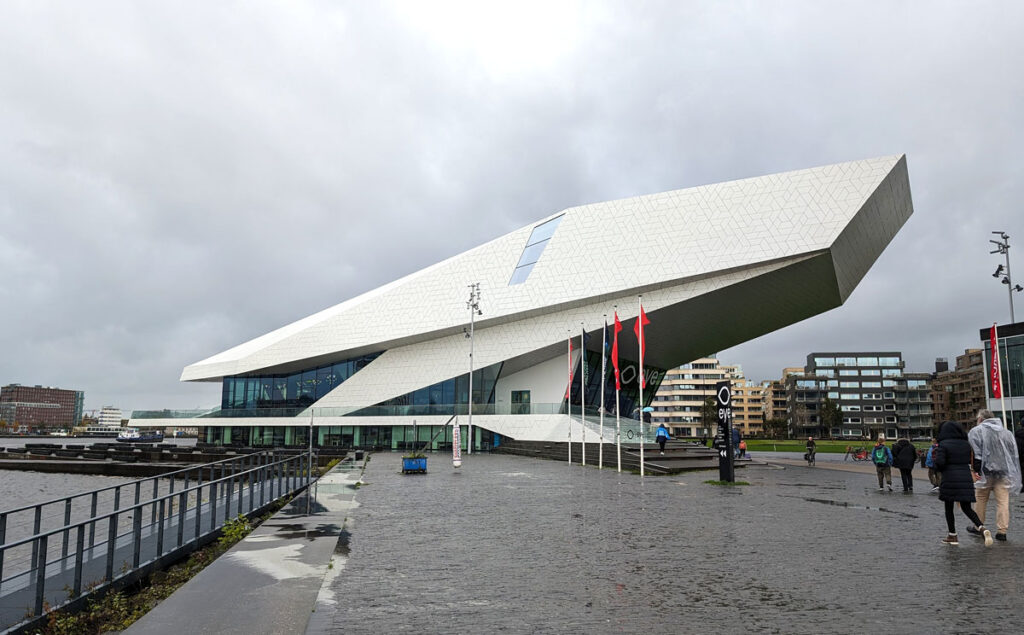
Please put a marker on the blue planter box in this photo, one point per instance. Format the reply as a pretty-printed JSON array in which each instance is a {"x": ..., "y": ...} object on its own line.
[{"x": 414, "y": 465}]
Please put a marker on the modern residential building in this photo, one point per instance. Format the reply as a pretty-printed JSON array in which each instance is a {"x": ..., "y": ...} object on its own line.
[
  {"x": 683, "y": 393},
  {"x": 870, "y": 391},
  {"x": 30, "y": 409},
  {"x": 773, "y": 395},
  {"x": 1011, "y": 366},
  {"x": 747, "y": 400},
  {"x": 958, "y": 394},
  {"x": 109, "y": 417},
  {"x": 361, "y": 373}
]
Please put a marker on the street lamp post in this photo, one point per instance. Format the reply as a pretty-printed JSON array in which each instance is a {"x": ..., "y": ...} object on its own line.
[
  {"x": 473, "y": 304},
  {"x": 1003, "y": 247}
]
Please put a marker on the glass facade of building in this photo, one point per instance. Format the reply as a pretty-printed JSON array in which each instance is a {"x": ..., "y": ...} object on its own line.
[
  {"x": 443, "y": 397},
  {"x": 398, "y": 437},
  {"x": 629, "y": 395},
  {"x": 285, "y": 395}
]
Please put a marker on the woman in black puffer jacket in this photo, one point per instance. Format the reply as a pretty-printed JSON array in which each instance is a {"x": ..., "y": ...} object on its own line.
[
  {"x": 904, "y": 455},
  {"x": 953, "y": 459}
]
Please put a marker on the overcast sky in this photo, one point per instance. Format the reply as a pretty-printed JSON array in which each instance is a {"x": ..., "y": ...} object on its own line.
[{"x": 177, "y": 178}]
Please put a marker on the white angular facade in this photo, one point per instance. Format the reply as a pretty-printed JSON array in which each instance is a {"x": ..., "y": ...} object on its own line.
[{"x": 716, "y": 265}]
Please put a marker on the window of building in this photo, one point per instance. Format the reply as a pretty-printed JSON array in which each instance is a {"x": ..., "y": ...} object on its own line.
[
  {"x": 535, "y": 245},
  {"x": 848, "y": 372},
  {"x": 849, "y": 384},
  {"x": 849, "y": 396},
  {"x": 846, "y": 361},
  {"x": 867, "y": 361},
  {"x": 520, "y": 402},
  {"x": 890, "y": 372},
  {"x": 849, "y": 408},
  {"x": 871, "y": 384},
  {"x": 890, "y": 407},
  {"x": 870, "y": 371},
  {"x": 888, "y": 361},
  {"x": 824, "y": 361}
]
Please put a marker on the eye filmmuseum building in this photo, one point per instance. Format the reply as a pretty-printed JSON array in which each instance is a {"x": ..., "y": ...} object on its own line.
[{"x": 715, "y": 265}]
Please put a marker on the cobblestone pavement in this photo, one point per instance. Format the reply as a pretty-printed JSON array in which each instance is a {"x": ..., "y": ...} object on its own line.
[{"x": 519, "y": 545}]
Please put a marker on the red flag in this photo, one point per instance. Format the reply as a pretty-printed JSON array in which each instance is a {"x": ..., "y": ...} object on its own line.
[
  {"x": 997, "y": 387},
  {"x": 615, "y": 351},
  {"x": 569, "y": 387},
  {"x": 638, "y": 328}
]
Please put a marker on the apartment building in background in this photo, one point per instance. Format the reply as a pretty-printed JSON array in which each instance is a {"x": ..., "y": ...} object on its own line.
[
  {"x": 871, "y": 390},
  {"x": 679, "y": 402},
  {"x": 958, "y": 394},
  {"x": 30, "y": 409}
]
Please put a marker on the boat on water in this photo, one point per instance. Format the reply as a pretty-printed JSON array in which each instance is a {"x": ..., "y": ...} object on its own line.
[
  {"x": 99, "y": 431},
  {"x": 133, "y": 435}
]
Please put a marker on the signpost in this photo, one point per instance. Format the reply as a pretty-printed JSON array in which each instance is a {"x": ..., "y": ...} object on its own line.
[{"x": 723, "y": 440}]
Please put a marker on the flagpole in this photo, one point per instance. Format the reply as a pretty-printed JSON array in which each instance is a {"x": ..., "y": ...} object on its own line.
[
  {"x": 583, "y": 396},
  {"x": 568, "y": 399},
  {"x": 999, "y": 367},
  {"x": 640, "y": 324},
  {"x": 604, "y": 358},
  {"x": 617, "y": 326}
]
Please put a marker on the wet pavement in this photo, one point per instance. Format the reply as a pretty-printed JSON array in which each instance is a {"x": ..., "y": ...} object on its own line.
[{"x": 520, "y": 545}]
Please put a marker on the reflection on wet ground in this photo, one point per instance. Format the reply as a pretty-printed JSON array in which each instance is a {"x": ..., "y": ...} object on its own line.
[{"x": 529, "y": 546}]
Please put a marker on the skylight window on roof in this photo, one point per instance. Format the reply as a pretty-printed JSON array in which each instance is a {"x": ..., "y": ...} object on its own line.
[{"x": 539, "y": 238}]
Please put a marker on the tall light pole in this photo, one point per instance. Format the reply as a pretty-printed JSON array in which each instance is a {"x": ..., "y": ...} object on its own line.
[
  {"x": 1003, "y": 247},
  {"x": 473, "y": 304}
]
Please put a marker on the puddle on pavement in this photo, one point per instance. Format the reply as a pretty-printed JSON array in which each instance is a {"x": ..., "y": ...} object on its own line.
[
  {"x": 300, "y": 531},
  {"x": 818, "y": 485},
  {"x": 825, "y": 501}
]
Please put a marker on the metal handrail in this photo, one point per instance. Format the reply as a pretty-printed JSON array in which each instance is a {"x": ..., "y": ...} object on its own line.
[
  {"x": 129, "y": 483},
  {"x": 123, "y": 510},
  {"x": 291, "y": 474}
]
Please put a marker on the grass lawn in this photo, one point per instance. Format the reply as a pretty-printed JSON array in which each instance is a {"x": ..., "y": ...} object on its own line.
[{"x": 797, "y": 445}]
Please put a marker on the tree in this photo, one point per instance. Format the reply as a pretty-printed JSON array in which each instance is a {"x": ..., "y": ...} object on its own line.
[
  {"x": 831, "y": 417},
  {"x": 709, "y": 413},
  {"x": 775, "y": 428}
]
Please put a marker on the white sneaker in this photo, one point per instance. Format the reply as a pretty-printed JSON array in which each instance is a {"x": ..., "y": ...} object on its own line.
[
  {"x": 988, "y": 537},
  {"x": 889, "y": 486}
]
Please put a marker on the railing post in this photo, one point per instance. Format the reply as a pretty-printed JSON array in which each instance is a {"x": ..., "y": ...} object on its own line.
[
  {"x": 111, "y": 543},
  {"x": 156, "y": 494},
  {"x": 117, "y": 498},
  {"x": 199, "y": 509},
  {"x": 3, "y": 541},
  {"x": 213, "y": 503},
  {"x": 230, "y": 487},
  {"x": 182, "y": 504},
  {"x": 40, "y": 547},
  {"x": 79, "y": 553},
  {"x": 136, "y": 536},
  {"x": 280, "y": 479},
  {"x": 92, "y": 515},
  {"x": 170, "y": 501},
  {"x": 36, "y": 524},
  {"x": 67, "y": 532},
  {"x": 160, "y": 530},
  {"x": 252, "y": 488}
]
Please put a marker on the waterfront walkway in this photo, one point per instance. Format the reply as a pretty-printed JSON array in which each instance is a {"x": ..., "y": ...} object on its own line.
[
  {"x": 515, "y": 544},
  {"x": 269, "y": 582}
]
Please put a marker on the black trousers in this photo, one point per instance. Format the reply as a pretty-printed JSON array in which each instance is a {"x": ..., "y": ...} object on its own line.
[
  {"x": 966, "y": 509},
  {"x": 908, "y": 480}
]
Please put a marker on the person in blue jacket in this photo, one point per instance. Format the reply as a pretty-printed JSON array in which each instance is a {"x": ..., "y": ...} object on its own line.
[
  {"x": 661, "y": 436},
  {"x": 934, "y": 476},
  {"x": 881, "y": 456}
]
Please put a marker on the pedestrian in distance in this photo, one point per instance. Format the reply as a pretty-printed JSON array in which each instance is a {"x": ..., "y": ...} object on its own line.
[
  {"x": 934, "y": 476},
  {"x": 743, "y": 448},
  {"x": 811, "y": 448},
  {"x": 904, "y": 455},
  {"x": 661, "y": 436},
  {"x": 997, "y": 464},
  {"x": 953, "y": 459},
  {"x": 881, "y": 456}
]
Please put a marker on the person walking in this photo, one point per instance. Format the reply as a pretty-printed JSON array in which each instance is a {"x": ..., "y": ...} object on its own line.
[
  {"x": 881, "y": 456},
  {"x": 743, "y": 448},
  {"x": 934, "y": 476},
  {"x": 811, "y": 448},
  {"x": 904, "y": 455},
  {"x": 953, "y": 459},
  {"x": 997, "y": 463},
  {"x": 661, "y": 436}
]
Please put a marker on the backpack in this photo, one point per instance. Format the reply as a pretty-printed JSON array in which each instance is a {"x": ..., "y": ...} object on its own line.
[{"x": 878, "y": 455}]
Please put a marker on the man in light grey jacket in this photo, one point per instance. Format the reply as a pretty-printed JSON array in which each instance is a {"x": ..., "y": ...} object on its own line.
[{"x": 998, "y": 467}]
